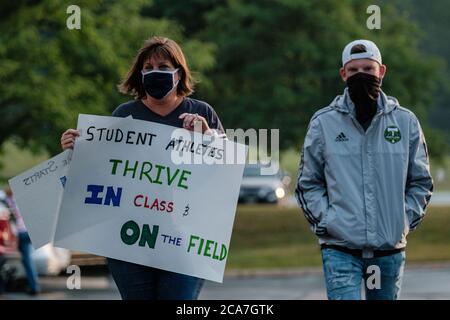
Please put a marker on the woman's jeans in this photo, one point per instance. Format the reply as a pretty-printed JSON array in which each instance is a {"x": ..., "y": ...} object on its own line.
[
  {"x": 26, "y": 250},
  {"x": 137, "y": 282},
  {"x": 344, "y": 273}
]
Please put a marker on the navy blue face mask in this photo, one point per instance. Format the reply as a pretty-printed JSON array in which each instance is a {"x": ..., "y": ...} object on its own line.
[{"x": 159, "y": 83}]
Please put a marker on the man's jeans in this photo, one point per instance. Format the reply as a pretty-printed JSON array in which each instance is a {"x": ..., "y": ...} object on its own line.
[
  {"x": 137, "y": 282},
  {"x": 344, "y": 273}
]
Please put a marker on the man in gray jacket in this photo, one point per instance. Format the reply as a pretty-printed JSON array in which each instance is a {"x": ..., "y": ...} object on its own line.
[{"x": 364, "y": 180}]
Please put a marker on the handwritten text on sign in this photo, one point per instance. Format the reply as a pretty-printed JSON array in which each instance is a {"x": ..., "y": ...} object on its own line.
[
  {"x": 125, "y": 198},
  {"x": 38, "y": 192}
]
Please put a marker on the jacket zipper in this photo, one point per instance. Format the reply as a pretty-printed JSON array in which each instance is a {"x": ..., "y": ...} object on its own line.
[{"x": 364, "y": 134}]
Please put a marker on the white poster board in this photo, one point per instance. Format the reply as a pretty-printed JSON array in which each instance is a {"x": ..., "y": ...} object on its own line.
[
  {"x": 38, "y": 192},
  {"x": 128, "y": 197}
]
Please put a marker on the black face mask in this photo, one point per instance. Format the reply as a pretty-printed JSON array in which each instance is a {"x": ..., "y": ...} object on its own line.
[
  {"x": 364, "y": 90},
  {"x": 159, "y": 83}
]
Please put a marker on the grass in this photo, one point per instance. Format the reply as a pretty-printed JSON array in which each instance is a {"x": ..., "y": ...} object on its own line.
[
  {"x": 14, "y": 160},
  {"x": 441, "y": 174},
  {"x": 275, "y": 237}
]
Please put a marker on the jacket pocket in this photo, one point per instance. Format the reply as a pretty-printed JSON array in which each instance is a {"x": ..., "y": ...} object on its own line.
[
  {"x": 345, "y": 227},
  {"x": 332, "y": 225}
]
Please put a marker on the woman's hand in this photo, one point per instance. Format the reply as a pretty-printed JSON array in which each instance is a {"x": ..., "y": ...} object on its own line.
[
  {"x": 191, "y": 121},
  {"x": 68, "y": 138}
]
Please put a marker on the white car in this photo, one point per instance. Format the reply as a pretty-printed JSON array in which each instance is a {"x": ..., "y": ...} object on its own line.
[{"x": 256, "y": 187}]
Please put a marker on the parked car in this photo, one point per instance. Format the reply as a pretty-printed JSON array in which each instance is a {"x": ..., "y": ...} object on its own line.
[{"x": 258, "y": 188}]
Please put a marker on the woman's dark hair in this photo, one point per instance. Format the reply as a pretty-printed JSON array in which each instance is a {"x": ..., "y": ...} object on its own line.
[{"x": 158, "y": 47}]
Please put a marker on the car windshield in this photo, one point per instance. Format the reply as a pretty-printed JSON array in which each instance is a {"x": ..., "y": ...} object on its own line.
[
  {"x": 255, "y": 171},
  {"x": 252, "y": 172}
]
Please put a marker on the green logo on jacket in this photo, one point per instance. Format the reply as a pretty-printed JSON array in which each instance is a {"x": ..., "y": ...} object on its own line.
[{"x": 392, "y": 134}]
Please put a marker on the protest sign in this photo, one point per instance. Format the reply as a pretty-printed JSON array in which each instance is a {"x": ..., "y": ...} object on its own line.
[
  {"x": 37, "y": 193},
  {"x": 127, "y": 196}
]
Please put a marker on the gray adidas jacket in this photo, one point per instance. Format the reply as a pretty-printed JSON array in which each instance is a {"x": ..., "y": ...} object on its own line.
[{"x": 364, "y": 190}]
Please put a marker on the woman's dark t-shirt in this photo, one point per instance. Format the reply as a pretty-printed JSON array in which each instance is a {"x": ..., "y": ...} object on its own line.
[{"x": 138, "y": 110}]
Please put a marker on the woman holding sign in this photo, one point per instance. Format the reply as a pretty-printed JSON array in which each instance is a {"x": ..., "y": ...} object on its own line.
[{"x": 160, "y": 82}]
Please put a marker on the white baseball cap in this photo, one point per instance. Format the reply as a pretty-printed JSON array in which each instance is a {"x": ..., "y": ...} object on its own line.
[{"x": 372, "y": 52}]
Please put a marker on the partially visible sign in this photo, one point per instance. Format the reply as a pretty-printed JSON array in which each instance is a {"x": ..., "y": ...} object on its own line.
[{"x": 38, "y": 194}]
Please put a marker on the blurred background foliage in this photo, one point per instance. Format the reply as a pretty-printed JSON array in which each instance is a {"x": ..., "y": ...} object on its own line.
[{"x": 260, "y": 64}]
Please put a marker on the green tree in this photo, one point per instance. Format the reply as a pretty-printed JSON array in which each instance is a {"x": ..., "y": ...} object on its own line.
[
  {"x": 277, "y": 61},
  {"x": 50, "y": 74},
  {"x": 261, "y": 64},
  {"x": 433, "y": 20}
]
